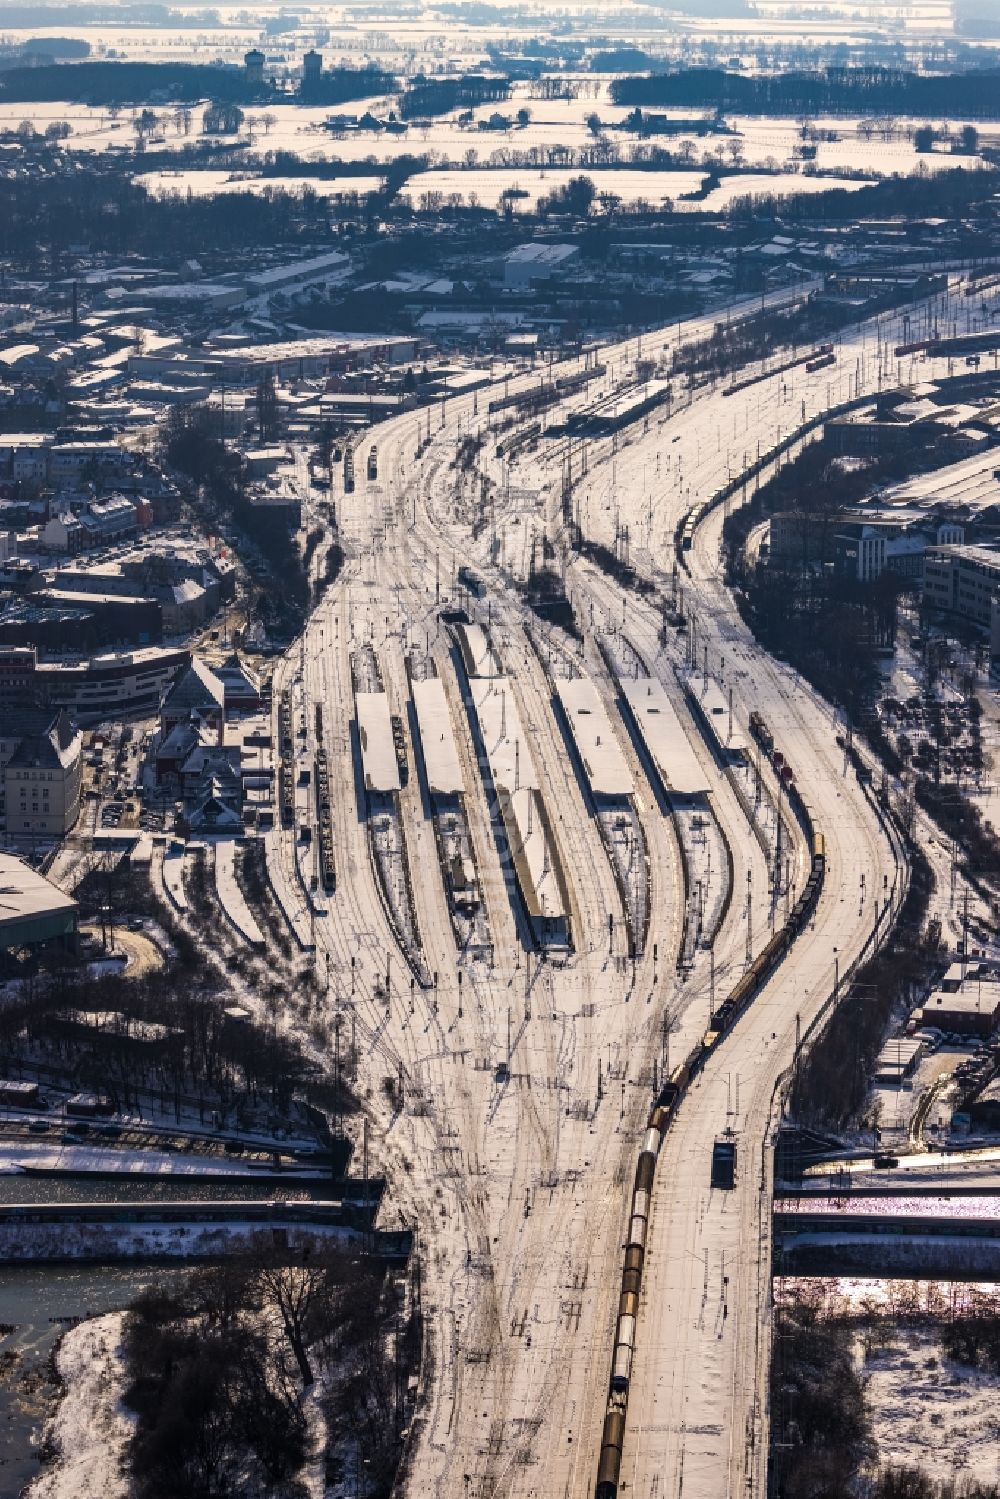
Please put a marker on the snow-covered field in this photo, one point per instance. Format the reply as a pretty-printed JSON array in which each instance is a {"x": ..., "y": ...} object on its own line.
[
  {"x": 489, "y": 185},
  {"x": 926, "y": 1410},
  {"x": 931, "y": 1413},
  {"x": 552, "y": 125},
  {"x": 214, "y": 183}
]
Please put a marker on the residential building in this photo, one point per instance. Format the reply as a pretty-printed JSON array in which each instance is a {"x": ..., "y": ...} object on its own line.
[
  {"x": 40, "y": 762},
  {"x": 65, "y": 533},
  {"x": 197, "y": 696},
  {"x": 70, "y": 461},
  {"x": 115, "y": 519},
  {"x": 24, "y": 456},
  {"x": 187, "y": 591}
]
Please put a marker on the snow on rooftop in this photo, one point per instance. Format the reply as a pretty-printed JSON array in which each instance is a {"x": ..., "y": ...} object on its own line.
[
  {"x": 378, "y": 752},
  {"x": 714, "y": 703},
  {"x": 477, "y": 651},
  {"x": 437, "y": 739},
  {"x": 665, "y": 736},
  {"x": 516, "y": 784},
  {"x": 603, "y": 760},
  {"x": 511, "y": 765},
  {"x": 26, "y": 893},
  {"x": 531, "y": 851},
  {"x": 296, "y": 270},
  {"x": 971, "y": 482}
]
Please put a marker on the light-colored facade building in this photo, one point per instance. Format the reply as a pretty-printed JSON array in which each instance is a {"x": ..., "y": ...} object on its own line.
[
  {"x": 964, "y": 581},
  {"x": 41, "y": 755}
]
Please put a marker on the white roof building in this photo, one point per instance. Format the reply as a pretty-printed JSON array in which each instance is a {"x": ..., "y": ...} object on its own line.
[
  {"x": 437, "y": 739},
  {"x": 599, "y": 750},
  {"x": 378, "y": 751},
  {"x": 664, "y": 736},
  {"x": 537, "y": 261}
]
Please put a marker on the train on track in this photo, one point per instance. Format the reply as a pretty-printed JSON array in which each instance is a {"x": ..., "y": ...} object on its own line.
[
  {"x": 661, "y": 1116},
  {"x": 286, "y": 793},
  {"x": 821, "y": 359},
  {"x": 525, "y": 402},
  {"x": 541, "y": 396},
  {"x": 508, "y": 447},
  {"x": 692, "y": 519},
  {"x": 822, "y": 355},
  {"x": 327, "y": 870}
]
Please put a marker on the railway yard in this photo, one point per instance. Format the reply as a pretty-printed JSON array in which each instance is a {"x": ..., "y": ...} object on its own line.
[{"x": 581, "y": 894}]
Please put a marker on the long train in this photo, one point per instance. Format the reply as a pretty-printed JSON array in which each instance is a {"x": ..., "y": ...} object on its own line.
[
  {"x": 661, "y": 1117},
  {"x": 822, "y": 355},
  {"x": 692, "y": 519}
]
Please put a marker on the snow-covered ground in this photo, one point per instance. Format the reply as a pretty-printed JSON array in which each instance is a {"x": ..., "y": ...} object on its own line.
[
  {"x": 44, "y": 1155},
  {"x": 230, "y": 893},
  {"x": 212, "y": 182},
  {"x": 90, "y": 1428},
  {"x": 930, "y": 1413}
]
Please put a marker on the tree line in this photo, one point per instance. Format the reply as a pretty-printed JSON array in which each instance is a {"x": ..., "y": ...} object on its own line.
[
  {"x": 106, "y": 83},
  {"x": 835, "y": 90}
]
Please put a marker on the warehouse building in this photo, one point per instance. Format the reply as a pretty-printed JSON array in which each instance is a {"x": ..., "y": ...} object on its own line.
[
  {"x": 973, "y": 1010},
  {"x": 531, "y": 263}
]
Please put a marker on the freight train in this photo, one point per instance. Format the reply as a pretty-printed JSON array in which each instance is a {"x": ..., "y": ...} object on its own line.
[
  {"x": 326, "y": 864},
  {"x": 691, "y": 519},
  {"x": 820, "y": 360},
  {"x": 659, "y": 1121},
  {"x": 286, "y": 794}
]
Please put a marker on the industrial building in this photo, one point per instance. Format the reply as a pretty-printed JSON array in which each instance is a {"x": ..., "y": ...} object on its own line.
[
  {"x": 243, "y": 364},
  {"x": 535, "y": 262},
  {"x": 973, "y": 1010}
]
